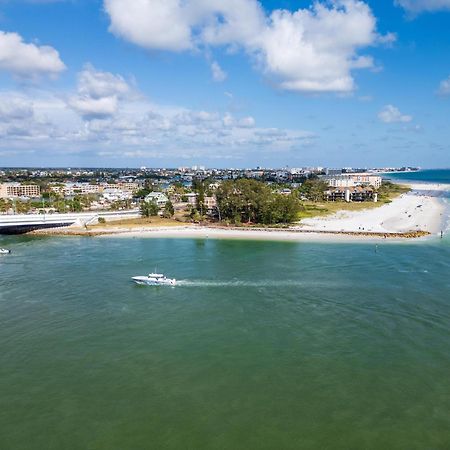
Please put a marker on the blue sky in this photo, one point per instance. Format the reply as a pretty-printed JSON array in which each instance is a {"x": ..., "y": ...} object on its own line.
[{"x": 236, "y": 83}]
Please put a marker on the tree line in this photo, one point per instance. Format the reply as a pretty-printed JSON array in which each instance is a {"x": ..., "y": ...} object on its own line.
[{"x": 251, "y": 201}]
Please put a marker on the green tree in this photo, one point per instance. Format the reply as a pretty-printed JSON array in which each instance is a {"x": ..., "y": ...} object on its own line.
[
  {"x": 251, "y": 201},
  {"x": 313, "y": 189},
  {"x": 142, "y": 193},
  {"x": 149, "y": 209},
  {"x": 169, "y": 210},
  {"x": 283, "y": 209},
  {"x": 200, "y": 201}
]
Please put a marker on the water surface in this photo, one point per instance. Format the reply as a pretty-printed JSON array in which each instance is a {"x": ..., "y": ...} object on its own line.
[{"x": 263, "y": 345}]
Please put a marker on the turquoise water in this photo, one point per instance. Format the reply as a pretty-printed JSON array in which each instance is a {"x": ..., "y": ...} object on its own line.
[
  {"x": 424, "y": 176},
  {"x": 264, "y": 345}
]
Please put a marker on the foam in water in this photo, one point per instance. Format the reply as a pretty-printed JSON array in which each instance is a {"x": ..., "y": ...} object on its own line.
[{"x": 238, "y": 284}]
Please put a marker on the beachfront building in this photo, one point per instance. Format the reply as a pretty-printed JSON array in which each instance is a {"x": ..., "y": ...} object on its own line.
[
  {"x": 157, "y": 197},
  {"x": 353, "y": 194},
  {"x": 17, "y": 190},
  {"x": 353, "y": 179}
]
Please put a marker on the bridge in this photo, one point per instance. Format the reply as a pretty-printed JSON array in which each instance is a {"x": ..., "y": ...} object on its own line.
[{"x": 22, "y": 223}]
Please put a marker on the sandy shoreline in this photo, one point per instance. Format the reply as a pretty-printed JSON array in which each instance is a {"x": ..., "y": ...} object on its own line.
[
  {"x": 421, "y": 209},
  {"x": 415, "y": 215}
]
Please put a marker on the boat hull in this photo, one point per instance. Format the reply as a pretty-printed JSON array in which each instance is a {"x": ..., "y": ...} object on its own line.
[{"x": 145, "y": 281}]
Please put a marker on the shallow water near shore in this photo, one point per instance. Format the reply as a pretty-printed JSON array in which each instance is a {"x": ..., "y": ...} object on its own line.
[{"x": 263, "y": 345}]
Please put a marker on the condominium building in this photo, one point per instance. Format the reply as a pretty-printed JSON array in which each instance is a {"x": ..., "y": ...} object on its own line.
[
  {"x": 354, "y": 194},
  {"x": 15, "y": 190},
  {"x": 352, "y": 180},
  {"x": 130, "y": 186}
]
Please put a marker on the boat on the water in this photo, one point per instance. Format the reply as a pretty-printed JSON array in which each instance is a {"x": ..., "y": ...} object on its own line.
[
  {"x": 4, "y": 251},
  {"x": 155, "y": 279}
]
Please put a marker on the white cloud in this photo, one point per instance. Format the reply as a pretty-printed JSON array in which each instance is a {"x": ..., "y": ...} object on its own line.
[
  {"x": 98, "y": 93},
  {"x": 94, "y": 107},
  {"x": 418, "y": 6},
  {"x": 309, "y": 50},
  {"x": 245, "y": 122},
  {"x": 28, "y": 60},
  {"x": 444, "y": 87},
  {"x": 218, "y": 73},
  {"x": 15, "y": 108},
  {"x": 160, "y": 24},
  {"x": 131, "y": 127},
  {"x": 19, "y": 120},
  {"x": 391, "y": 114}
]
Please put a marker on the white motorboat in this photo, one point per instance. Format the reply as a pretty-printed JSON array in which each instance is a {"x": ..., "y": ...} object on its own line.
[
  {"x": 4, "y": 251},
  {"x": 155, "y": 279}
]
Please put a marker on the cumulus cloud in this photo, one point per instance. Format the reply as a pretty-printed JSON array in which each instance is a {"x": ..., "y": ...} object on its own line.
[
  {"x": 418, "y": 6},
  {"x": 98, "y": 93},
  {"x": 157, "y": 24},
  {"x": 218, "y": 73},
  {"x": 308, "y": 50},
  {"x": 391, "y": 114},
  {"x": 27, "y": 60},
  {"x": 444, "y": 87}
]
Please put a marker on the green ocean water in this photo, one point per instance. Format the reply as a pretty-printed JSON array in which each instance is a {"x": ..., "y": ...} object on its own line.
[{"x": 263, "y": 345}]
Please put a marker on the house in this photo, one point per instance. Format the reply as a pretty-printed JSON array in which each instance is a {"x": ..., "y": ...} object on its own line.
[
  {"x": 157, "y": 197},
  {"x": 210, "y": 203},
  {"x": 191, "y": 198}
]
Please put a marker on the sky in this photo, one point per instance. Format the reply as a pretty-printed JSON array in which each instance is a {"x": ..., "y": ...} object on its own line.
[{"x": 224, "y": 83}]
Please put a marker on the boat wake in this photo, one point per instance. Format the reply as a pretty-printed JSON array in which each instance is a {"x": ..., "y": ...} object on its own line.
[{"x": 238, "y": 284}]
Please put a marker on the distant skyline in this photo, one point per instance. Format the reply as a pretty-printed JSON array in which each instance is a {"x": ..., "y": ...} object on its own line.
[{"x": 224, "y": 83}]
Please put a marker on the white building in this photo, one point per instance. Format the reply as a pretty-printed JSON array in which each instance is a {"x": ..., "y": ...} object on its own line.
[
  {"x": 353, "y": 179},
  {"x": 114, "y": 195}
]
